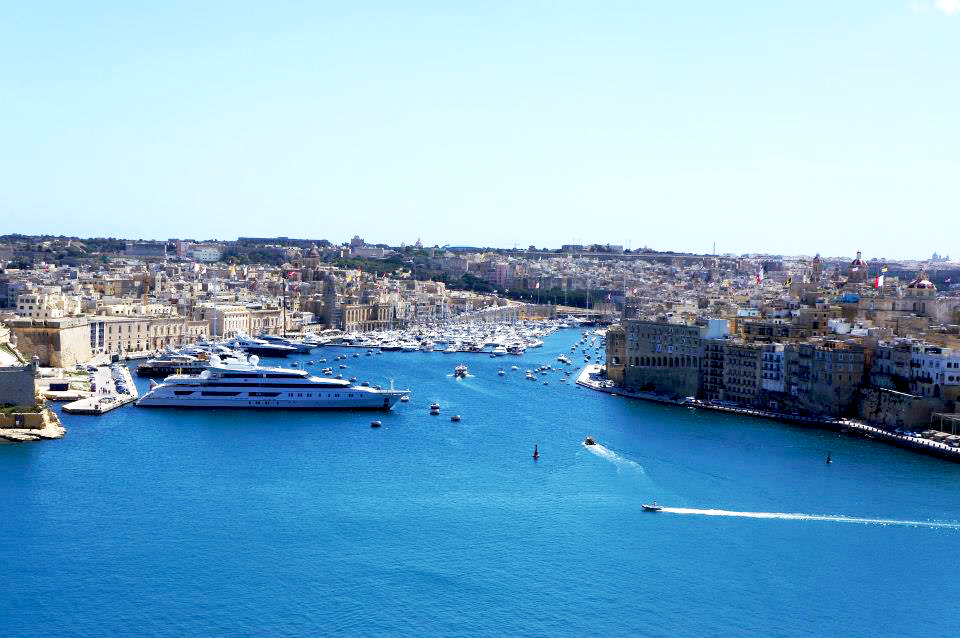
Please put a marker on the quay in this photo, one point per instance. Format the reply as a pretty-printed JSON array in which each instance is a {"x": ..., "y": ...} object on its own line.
[
  {"x": 112, "y": 397},
  {"x": 590, "y": 378}
]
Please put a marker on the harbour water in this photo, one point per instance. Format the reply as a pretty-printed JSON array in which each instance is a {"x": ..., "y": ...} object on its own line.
[{"x": 172, "y": 522}]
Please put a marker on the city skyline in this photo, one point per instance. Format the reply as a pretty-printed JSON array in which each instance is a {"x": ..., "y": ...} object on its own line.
[{"x": 785, "y": 130}]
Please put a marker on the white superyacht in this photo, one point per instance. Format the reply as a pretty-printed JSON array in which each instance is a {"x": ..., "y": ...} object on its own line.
[{"x": 249, "y": 385}]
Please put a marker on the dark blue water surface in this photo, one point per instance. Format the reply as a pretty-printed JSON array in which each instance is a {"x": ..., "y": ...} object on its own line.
[{"x": 176, "y": 522}]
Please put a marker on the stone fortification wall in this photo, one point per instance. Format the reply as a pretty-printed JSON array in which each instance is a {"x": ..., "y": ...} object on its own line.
[
  {"x": 892, "y": 409},
  {"x": 17, "y": 385},
  {"x": 25, "y": 421},
  {"x": 57, "y": 344}
]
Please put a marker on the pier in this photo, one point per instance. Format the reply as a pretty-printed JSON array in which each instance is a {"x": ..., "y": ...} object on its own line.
[{"x": 111, "y": 399}]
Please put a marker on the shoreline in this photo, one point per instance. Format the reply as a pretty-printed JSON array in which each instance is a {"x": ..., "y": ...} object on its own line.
[
  {"x": 52, "y": 429},
  {"x": 846, "y": 426}
]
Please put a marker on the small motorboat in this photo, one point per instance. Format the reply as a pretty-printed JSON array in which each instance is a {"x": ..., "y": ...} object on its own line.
[
  {"x": 536, "y": 452},
  {"x": 589, "y": 441},
  {"x": 375, "y": 424},
  {"x": 460, "y": 371},
  {"x": 829, "y": 460},
  {"x": 501, "y": 372},
  {"x": 652, "y": 507},
  {"x": 455, "y": 418},
  {"x": 404, "y": 399}
]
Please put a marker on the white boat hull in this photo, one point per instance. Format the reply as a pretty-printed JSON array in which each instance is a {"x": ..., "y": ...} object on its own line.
[{"x": 348, "y": 399}]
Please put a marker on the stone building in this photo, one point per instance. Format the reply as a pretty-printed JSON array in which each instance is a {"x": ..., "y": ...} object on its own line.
[
  {"x": 823, "y": 377},
  {"x": 616, "y": 353},
  {"x": 57, "y": 343},
  {"x": 741, "y": 373},
  {"x": 712, "y": 359},
  {"x": 857, "y": 270},
  {"x": 662, "y": 357},
  {"x": 48, "y": 302}
]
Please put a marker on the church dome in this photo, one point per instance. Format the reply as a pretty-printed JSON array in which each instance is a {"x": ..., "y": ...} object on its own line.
[{"x": 921, "y": 282}]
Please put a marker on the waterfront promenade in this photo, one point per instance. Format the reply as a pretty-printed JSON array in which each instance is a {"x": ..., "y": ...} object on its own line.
[{"x": 591, "y": 377}]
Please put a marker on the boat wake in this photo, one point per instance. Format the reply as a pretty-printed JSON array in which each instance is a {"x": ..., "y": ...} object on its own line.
[
  {"x": 613, "y": 457},
  {"x": 809, "y": 517}
]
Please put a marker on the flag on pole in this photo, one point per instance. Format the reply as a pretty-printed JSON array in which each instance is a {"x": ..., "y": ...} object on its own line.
[
  {"x": 884, "y": 269},
  {"x": 878, "y": 282},
  {"x": 788, "y": 282},
  {"x": 537, "y": 286},
  {"x": 760, "y": 275}
]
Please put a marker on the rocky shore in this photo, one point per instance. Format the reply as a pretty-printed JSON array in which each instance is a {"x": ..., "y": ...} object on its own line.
[{"x": 43, "y": 425}]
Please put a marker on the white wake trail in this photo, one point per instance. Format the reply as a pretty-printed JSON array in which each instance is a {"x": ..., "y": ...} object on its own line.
[
  {"x": 808, "y": 517},
  {"x": 613, "y": 457}
]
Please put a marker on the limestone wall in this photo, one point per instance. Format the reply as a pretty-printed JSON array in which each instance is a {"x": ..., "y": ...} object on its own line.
[
  {"x": 889, "y": 408},
  {"x": 57, "y": 344},
  {"x": 17, "y": 385},
  {"x": 25, "y": 421}
]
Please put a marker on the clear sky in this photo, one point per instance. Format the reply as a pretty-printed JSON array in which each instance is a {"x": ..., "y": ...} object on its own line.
[{"x": 789, "y": 127}]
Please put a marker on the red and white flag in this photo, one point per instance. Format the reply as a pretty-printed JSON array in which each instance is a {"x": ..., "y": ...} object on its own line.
[
  {"x": 878, "y": 282},
  {"x": 760, "y": 275}
]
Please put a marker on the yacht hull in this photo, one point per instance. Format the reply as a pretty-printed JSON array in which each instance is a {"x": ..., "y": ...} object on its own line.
[{"x": 344, "y": 402}]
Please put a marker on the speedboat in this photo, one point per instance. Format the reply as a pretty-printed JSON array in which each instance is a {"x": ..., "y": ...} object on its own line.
[
  {"x": 652, "y": 507},
  {"x": 460, "y": 371},
  {"x": 589, "y": 441}
]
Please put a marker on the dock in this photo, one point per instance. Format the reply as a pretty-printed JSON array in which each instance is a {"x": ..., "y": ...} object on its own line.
[
  {"x": 590, "y": 378},
  {"x": 103, "y": 403}
]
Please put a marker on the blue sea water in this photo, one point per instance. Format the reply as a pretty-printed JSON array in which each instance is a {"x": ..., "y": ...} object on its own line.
[{"x": 176, "y": 522}]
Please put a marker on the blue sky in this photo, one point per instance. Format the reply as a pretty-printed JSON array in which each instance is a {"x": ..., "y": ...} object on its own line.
[{"x": 790, "y": 127}]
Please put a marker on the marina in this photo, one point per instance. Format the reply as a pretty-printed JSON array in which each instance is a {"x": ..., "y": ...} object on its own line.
[{"x": 515, "y": 463}]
